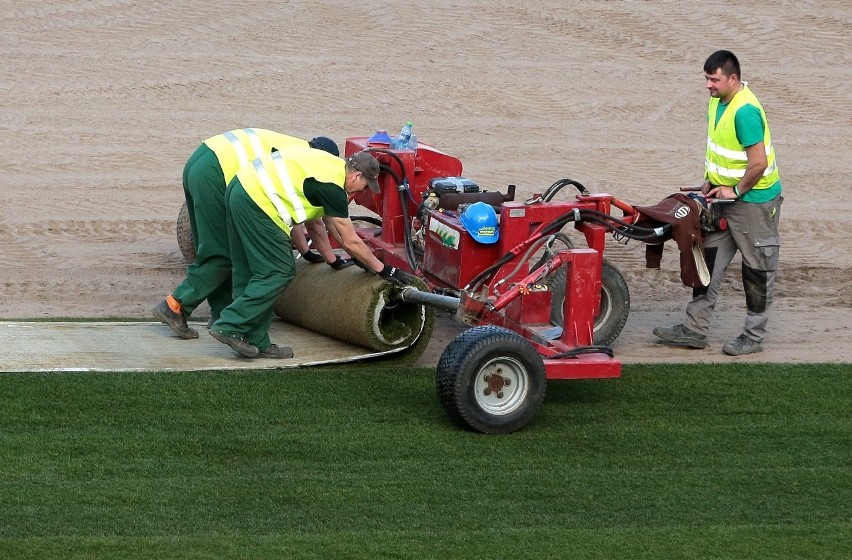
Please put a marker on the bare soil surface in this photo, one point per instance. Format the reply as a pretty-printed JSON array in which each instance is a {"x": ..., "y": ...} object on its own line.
[{"x": 104, "y": 101}]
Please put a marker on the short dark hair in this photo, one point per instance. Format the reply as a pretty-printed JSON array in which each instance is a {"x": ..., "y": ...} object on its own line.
[{"x": 724, "y": 60}]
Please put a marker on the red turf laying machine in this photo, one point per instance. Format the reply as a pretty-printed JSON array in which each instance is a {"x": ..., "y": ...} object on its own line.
[{"x": 540, "y": 307}]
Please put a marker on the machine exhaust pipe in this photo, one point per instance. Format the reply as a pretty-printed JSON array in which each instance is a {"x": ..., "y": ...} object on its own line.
[{"x": 413, "y": 295}]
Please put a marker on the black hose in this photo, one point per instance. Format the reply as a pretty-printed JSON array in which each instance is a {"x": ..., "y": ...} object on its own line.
[
  {"x": 626, "y": 229},
  {"x": 582, "y": 350},
  {"x": 394, "y": 156},
  {"x": 646, "y": 235},
  {"x": 369, "y": 219},
  {"x": 404, "y": 194},
  {"x": 559, "y": 185},
  {"x": 406, "y": 230},
  {"x": 389, "y": 170}
]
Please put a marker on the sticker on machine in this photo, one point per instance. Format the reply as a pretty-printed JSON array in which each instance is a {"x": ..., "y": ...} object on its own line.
[{"x": 449, "y": 237}]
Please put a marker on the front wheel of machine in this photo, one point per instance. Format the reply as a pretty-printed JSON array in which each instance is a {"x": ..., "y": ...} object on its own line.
[{"x": 490, "y": 380}]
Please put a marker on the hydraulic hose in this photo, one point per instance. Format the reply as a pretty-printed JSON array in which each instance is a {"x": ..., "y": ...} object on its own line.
[
  {"x": 583, "y": 350},
  {"x": 628, "y": 230},
  {"x": 404, "y": 196}
]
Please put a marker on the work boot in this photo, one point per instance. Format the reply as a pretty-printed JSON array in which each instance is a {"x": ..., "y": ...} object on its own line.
[
  {"x": 237, "y": 343},
  {"x": 741, "y": 346},
  {"x": 277, "y": 352},
  {"x": 679, "y": 335},
  {"x": 175, "y": 321}
]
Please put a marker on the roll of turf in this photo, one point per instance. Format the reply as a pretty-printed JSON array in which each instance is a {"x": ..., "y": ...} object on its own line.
[{"x": 356, "y": 307}]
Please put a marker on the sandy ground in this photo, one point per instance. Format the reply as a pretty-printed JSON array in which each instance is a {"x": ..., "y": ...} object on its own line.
[{"x": 103, "y": 101}]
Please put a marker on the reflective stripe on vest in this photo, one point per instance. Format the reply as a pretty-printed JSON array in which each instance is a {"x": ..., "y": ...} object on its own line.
[
  {"x": 253, "y": 142},
  {"x": 237, "y": 148},
  {"x": 275, "y": 183},
  {"x": 726, "y": 160},
  {"x": 735, "y": 173},
  {"x": 271, "y": 192}
]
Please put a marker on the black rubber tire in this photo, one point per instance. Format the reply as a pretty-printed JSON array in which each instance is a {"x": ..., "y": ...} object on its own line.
[
  {"x": 184, "y": 235},
  {"x": 615, "y": 303},
  {"x": 468, "y": 391}
]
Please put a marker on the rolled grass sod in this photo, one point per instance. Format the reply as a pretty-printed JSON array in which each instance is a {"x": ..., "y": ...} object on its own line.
[{"x": 674, "y": 461}]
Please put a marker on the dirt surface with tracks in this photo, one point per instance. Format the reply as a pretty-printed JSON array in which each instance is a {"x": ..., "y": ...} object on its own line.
[{"x": 104, "y": 101}]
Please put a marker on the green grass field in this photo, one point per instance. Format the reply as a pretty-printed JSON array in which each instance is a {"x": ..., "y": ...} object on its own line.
[{"x": 698, "y": 461}]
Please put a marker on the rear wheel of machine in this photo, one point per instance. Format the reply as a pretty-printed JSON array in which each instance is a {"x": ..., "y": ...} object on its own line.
[
  {"x": 490, "y": 380},
  {"x": 615, "y": 303},
  {"x": 184, "y": 235}
]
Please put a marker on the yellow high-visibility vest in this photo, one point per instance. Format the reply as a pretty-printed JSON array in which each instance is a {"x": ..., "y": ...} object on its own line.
[
  {"x": 726, "y": 161},
  {"x": 236, "y": 148},
  {"x": 275, "y": 182}
]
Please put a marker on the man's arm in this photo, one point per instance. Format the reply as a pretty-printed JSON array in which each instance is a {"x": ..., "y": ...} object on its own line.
[
  {"x": 319, "y": 238},
  {"x": 344, "y": 232},
  {"x": 757, "y": 164}
]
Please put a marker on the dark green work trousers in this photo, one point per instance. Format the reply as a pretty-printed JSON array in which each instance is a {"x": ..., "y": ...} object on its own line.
[
  {"x": 209, "y": 276},
  {"x": 263, "y": 265}
]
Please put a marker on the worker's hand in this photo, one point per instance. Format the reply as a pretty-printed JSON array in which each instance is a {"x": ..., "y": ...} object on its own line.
[
  {"x": 723, "y": 193},
  {"x": 312, "y": 257},
  {"x": 340, "y": 263},
  {"x": 394, "y": 275}
]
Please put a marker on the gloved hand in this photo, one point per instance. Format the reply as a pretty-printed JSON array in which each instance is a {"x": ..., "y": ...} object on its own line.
[
  {"x": 340, "y": 263},
  {"x": 312, "y": 257},
  {"x": 395, "y": 275}
]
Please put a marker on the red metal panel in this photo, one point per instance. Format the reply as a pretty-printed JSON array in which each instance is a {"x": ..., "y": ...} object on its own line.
[
  {"x": 579, "y": 308},
  {"x": 531, "y": 308},
  {"x": 451, "y": 255},
  {"x": 585, "y": 366}
]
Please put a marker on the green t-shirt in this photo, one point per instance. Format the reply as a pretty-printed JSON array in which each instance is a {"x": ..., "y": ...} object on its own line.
[
  {"x": 749, "y": 126},
  {"x": 331, "y": 197}
]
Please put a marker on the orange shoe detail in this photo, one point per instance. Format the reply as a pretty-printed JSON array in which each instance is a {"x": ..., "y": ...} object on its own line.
[{"x": 174, "y": 304}]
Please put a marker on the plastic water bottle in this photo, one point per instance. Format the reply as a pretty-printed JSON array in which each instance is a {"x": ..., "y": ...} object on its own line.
[
  {"x": 404, "y": 138},
  {"x": 412, "y": 143}
]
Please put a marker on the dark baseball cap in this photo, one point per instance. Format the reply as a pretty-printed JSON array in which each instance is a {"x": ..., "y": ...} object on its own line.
[
  {"x": 325, "y": 144},
  {"x": 368, "y": 166}
]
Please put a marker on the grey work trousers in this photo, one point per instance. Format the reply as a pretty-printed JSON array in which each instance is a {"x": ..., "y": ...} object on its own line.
[{"x": 753, "y": 231}]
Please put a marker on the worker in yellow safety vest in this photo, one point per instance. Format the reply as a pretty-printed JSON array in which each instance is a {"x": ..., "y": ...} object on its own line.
[
  {"x": 740, "y": 166},
  {"x": 265, "y": 201},
  {"x": 205, "y": 176}
]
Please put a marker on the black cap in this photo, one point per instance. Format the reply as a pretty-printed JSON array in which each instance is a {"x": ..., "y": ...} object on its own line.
[{"x": 325, "y": 144}]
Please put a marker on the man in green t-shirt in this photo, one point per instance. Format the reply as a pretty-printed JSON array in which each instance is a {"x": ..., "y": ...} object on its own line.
[{"x": 739, "y": 166}]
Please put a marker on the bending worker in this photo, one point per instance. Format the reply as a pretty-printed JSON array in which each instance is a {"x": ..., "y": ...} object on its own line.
[
  {"x": 265, "y": 200},
  {"x": 740, "y": 165},
  {"x": 205, "y": 176}
]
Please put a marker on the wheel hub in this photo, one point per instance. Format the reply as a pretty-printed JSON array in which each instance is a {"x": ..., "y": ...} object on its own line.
[
  {"x": 501, "y": 385},
  {"x": 495, "y": 383}
]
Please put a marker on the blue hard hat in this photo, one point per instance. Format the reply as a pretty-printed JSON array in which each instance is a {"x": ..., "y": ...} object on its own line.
[{"x": 480, "y": 221}]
